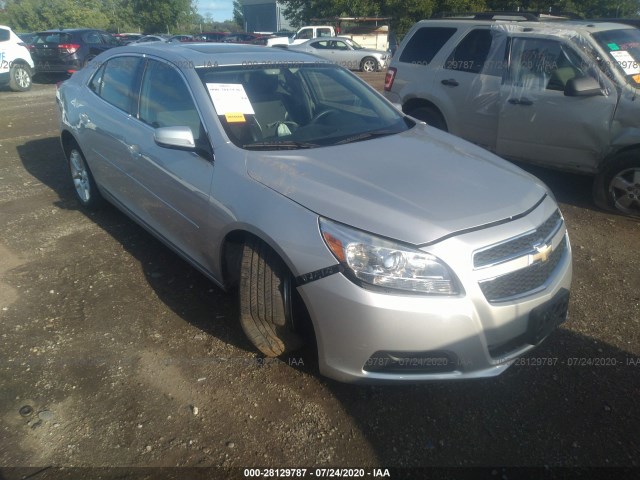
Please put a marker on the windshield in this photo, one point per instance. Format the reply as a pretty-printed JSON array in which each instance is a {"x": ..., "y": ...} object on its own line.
[
  {"x": 623, "y": 48},
  {"x": 298, "y": 106},
  {"x": 354, "y": 44}
]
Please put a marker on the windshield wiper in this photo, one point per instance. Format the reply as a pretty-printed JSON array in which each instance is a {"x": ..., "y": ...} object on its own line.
[
  {"x": 366, "y": 136},
  {"x": 284, "y": 145}
]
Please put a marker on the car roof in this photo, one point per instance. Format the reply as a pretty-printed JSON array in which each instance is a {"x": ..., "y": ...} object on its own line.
[
  {"x": 71, "y": 30},
  {"x": 582, "y": 26},
  {"x": 202, "y": 54}
]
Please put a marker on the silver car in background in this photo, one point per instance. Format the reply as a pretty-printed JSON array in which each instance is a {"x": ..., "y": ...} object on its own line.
[
  {"x": 345, "y": 52},
  {"x": 404, "y": 253}
]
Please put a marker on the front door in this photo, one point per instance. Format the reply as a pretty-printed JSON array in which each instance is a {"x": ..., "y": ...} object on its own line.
[{"x": 538, "y": 123}]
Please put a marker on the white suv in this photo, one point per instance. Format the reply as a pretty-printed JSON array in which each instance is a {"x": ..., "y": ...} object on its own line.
[
  {"x": 559, "y": 94},
  {"x": 16, "y": 64}
]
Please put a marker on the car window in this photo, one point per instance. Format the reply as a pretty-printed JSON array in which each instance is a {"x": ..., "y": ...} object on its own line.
[
  {"x": 471, "y": 54},
  {"x": 340, "y": 45},
  {"x": 52, "y": 38},
  {"x": 542, "y": 64},
  {"x": 116, "y": 82},
  {"x": 425, "y": 44},
  {"x": 4, "y": 35},
  {"x": 324, "y": 32},
  {"x": 108, "y": 39},
  {"x": 165, "y": 99},
  {"x": 306, "y": 33},
  {"x": 92, "y": 37},
  {"x": 303, "y": 106}
]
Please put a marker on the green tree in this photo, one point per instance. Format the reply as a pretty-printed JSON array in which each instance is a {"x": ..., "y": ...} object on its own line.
[
  {"x": 238, "y": 14},
  {"x": 163, "y": 15}
]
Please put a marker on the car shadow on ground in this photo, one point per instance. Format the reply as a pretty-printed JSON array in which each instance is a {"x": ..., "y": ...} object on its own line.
[
  {"x": 181, "y": 287},
  {"x": 572, "y": 402}
]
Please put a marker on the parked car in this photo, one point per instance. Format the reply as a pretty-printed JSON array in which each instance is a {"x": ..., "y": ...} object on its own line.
[
  {"x": 16, "y": 64},
  {"x": 560, "y": 94},
  {"x": 211, "y": 36},
  {"x": 345, "y": 52},
  {"x": 68, "y": 50},
  {"x": 181, "y": 38},
  {"x": 405, "y": 254},
  {"x": 241, "y": 37},
  {"x": 127, "y": 38},
  {"x": 26, "y": 37},
  {"x": 150, "y": 38}
]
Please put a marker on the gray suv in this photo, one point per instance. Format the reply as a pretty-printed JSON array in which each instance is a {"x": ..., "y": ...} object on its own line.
[
  {"x": 560, "y": 94},
  {"x": 403, "y": 253}
]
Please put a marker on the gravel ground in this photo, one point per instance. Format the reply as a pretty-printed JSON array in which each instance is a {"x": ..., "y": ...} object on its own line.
[{"x": 115, "y": 352}]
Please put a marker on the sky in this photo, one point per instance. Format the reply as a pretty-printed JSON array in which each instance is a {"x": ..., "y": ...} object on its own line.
[{"x": 220, "y": 10}]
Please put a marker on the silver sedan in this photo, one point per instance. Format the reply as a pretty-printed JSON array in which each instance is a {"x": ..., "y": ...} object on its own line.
[
  {"x": 345, "y": 52},
  {"x": 401, "y": 252}
]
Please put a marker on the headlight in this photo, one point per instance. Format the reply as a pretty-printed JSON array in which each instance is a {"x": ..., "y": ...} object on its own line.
[{"x": 386, "y": 264}]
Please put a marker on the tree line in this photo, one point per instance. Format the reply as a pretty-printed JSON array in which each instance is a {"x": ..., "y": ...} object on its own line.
[{"x": 180, "y": 16}]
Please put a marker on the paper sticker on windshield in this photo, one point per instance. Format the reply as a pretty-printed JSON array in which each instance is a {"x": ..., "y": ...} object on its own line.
[
  {"x": 235, "y": 117},
  {"x": 230, "y": 98},
  {"x": 627, "y": 62},
  {"x": 613, "y": 46}
]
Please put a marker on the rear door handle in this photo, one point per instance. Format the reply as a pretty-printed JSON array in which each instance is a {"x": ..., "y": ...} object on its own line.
[
  {"x": 450, "y": 82},
  {"x": 520, "y": 101}
]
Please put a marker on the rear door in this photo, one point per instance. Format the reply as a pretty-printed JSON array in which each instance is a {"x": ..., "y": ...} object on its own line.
[{"x": 538, "y": 123}]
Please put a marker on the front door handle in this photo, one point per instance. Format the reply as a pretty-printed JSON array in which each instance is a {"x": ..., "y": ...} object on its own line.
[{"x": 450, "y": 82}]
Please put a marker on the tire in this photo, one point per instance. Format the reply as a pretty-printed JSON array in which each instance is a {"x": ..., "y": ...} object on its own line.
[
  {"x": 620, "y": 184},
  {"x": 431, "y": 116},
  {"x": 369, "y": 64},
  {"x": 84, "y": 184},
  {"x": 20, "y": 77},
  {"x": 265, "y": 293}
]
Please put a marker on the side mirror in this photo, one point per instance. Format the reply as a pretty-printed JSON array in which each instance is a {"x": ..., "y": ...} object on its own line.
[
  {"x": 175, "y": 137},
  {"x": 582, "y": 87}
]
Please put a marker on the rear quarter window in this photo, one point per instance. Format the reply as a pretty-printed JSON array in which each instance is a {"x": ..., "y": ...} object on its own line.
[
  {"x": 4, "y": 35},
  {"x": 425, "y": 43}
]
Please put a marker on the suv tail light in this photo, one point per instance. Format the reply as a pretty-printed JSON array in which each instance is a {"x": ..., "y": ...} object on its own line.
[
  {"x": 388, "y": 80},
  {"x": 68, "y": 47}
]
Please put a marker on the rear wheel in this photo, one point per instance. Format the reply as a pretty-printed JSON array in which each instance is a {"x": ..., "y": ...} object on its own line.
[
  {"x": 369, "y": 64},
  {"x": 20, "y": 77},
  {"x": 431, "y": 116},
  {"x": 621, "y": 183},
  {"x": 266, "y": 300},
  {"x": 83, "y": 183}
]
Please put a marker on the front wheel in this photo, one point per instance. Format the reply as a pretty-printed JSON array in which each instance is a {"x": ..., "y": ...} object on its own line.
[
  {"x": 83, "y": 183},
  {"x": 266, "y": 298},
  {"x": 20, "y": 77},
  {"x": 621, "y": 182},
  {"x": 369, "y": 64}
]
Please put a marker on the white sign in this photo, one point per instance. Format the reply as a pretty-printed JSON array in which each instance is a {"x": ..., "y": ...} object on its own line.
[
  {"x": 230, "y": 99},
  {"x": 627, "y": 62}
]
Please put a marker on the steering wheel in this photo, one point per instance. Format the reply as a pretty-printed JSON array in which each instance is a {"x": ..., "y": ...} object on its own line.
[{"x": 324, "y": 113}]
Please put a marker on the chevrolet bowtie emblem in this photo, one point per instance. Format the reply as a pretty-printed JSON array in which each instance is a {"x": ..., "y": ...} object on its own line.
[{"x": 542, "y": 253}]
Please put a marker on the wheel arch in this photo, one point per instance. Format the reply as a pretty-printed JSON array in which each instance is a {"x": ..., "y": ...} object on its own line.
[{"x": 416, "y": 102}]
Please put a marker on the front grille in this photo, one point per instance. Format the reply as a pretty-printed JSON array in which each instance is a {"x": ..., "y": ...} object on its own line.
[
  {"x": 523, "y": 281},
  {"x": 518, "y": 246}
]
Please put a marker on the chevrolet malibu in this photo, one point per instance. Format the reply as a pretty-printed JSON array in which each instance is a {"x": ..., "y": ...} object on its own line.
[{"x": 403, "y": 253}]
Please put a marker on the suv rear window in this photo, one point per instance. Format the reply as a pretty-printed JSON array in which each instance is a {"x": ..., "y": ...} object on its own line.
[
  {"x": 425, "y": 44},
  {"x": 52, "y": 37}
]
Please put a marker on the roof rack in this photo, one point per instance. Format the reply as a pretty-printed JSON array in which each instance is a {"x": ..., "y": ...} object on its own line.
[{"x": 521, "y": 16}]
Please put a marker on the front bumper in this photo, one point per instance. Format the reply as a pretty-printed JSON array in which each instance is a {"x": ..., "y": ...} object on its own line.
[
  {"x": 357, "y": 324},
  {"x": 365, "y": 335}
]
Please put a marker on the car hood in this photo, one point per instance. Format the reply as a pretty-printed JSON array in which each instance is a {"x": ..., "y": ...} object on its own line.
[{"x": 415, "y": 187}]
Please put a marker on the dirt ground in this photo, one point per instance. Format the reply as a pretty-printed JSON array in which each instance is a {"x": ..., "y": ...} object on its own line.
[{"x": 116, "y": 353}]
